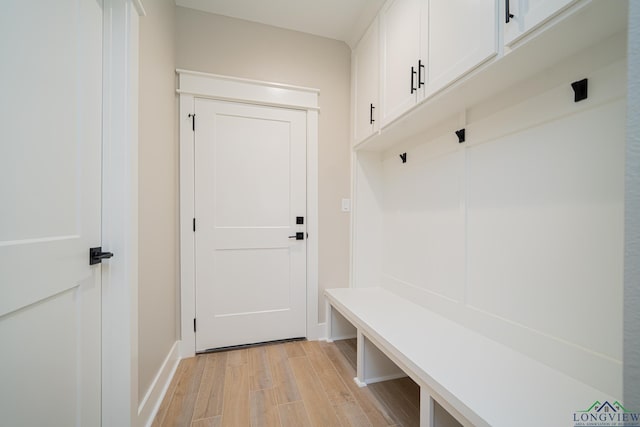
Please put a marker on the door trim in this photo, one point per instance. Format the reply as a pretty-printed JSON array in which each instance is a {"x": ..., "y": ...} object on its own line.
[
  {"x": 120, "y": 212},
  {"x": 195, "y": 84}
]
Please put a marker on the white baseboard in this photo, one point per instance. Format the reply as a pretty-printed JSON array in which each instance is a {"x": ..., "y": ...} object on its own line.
[
  {"x": 151, "y": 403},
  {"x": 385, "y": 378},
  {"x": 378, "y": 379},
  {"x": 342, "y": 337}
]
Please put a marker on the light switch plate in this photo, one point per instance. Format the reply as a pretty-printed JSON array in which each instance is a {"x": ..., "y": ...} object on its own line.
[{"x": 346, "y": 205}]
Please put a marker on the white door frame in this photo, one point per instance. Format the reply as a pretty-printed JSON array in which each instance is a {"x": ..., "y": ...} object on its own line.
[
  {"x": 120, "y": 212},
  {"x": 194, "y": 84}
]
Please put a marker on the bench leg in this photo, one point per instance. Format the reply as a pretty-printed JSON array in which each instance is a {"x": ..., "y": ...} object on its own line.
[
  {"x": 360, "y": 361},
  {"x": 329, "y": 321},
  {"x": 426, "y": 409},
  {"x": 373, "y": 365}
]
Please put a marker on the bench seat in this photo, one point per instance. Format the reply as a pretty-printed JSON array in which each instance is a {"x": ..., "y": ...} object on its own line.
[{"x": 478, "y": 381}]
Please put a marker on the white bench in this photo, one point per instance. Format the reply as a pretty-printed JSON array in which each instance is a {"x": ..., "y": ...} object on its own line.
[{"x": 480, "y": 382}]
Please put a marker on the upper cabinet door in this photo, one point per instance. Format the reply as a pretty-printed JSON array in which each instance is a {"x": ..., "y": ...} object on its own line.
[
  {"x": 462, "y": 34},
  {"x": 400, "y": 23},
  {"x": 366, "y": 84},
  {"x": 527, "y": 15}
]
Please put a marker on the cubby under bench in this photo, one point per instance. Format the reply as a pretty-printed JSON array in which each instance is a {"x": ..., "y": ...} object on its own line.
[{"x": 480, "y": 382}]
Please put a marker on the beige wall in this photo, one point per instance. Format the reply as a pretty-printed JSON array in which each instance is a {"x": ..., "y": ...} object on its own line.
[
  {"x": 158, "y": 199},
  {"x": 221, "y": 45}
]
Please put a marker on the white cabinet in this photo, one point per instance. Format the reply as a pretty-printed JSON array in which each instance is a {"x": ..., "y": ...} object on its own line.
[
  {"x": 462, "y": 34},
  {"x": 401, "y": 49},
  {"x": 366, "y": 84},
  {"x": 427, "y": 44},
  {"x": 527, "y": 15}
]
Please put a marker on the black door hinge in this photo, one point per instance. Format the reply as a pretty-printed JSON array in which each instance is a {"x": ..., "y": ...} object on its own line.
[
  {"x": 193, "y": 121},
  {"x": 194, "y": 224},
  {"x": 194, "y": 324}
]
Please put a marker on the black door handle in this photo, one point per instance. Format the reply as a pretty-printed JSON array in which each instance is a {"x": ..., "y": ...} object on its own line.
[
  {"x": 508, "y": 13},
  {"x": 298, "y": 236},
  {"x": 371, "y": 108},
  {"x": 96, "y": 255},
  {"x": 413, "y": 74},
  {"x": 420, "y": 68}
]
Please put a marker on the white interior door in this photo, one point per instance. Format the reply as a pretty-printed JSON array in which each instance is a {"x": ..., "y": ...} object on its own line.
[
  {"x": 50, "y": 182},
  {"x": 250, "y": 187}
]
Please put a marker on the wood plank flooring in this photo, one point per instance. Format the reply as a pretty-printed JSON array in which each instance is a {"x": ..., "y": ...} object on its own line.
[{"x": 295, "y": 384}]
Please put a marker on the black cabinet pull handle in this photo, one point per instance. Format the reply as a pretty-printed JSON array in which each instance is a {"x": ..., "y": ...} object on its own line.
[
  {"x": 508, "y": 13},
  {"x": 371, "y": 108},
  {"x": 413, "y": 74},
  {"x": 420, "y": 68}
]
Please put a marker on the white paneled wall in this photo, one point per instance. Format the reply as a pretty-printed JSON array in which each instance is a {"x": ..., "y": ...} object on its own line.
[
  {"x": 544, "y": 227},
  {"x": 518, "y": 232},
  {"x": 424, "y": 221}
]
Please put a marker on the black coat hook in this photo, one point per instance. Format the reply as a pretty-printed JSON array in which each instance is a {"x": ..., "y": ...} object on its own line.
[
  {"x": 403, "y": 156},
  {"x": 580, "y": 90},
  {"x": 461, "y": 135}
]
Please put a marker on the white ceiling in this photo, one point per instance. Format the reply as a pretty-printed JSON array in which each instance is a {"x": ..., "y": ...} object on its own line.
[{"x": 344, "y": 20}]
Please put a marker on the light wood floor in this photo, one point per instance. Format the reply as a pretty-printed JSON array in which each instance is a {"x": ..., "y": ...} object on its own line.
[{"x": 293, "y": 384}]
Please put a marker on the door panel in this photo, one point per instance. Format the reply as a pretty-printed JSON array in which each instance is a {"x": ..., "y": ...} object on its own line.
[
  {"x": 241, "y": 169},
  {"x": 400, "y": 23},
  {"x": 50, "y": 180},
  {"x": 250, "y": 185},
  {"x": 366, "y": 65},
  {"x": 528, "y": 15},
  {"x": 267, "y": 280},
  {"x": 458, "y": 42}
]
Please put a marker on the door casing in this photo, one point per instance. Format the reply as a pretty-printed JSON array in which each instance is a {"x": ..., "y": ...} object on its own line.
[
  {"x": 193, "y": 85},
  {"x": 120, "y": 213}
]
